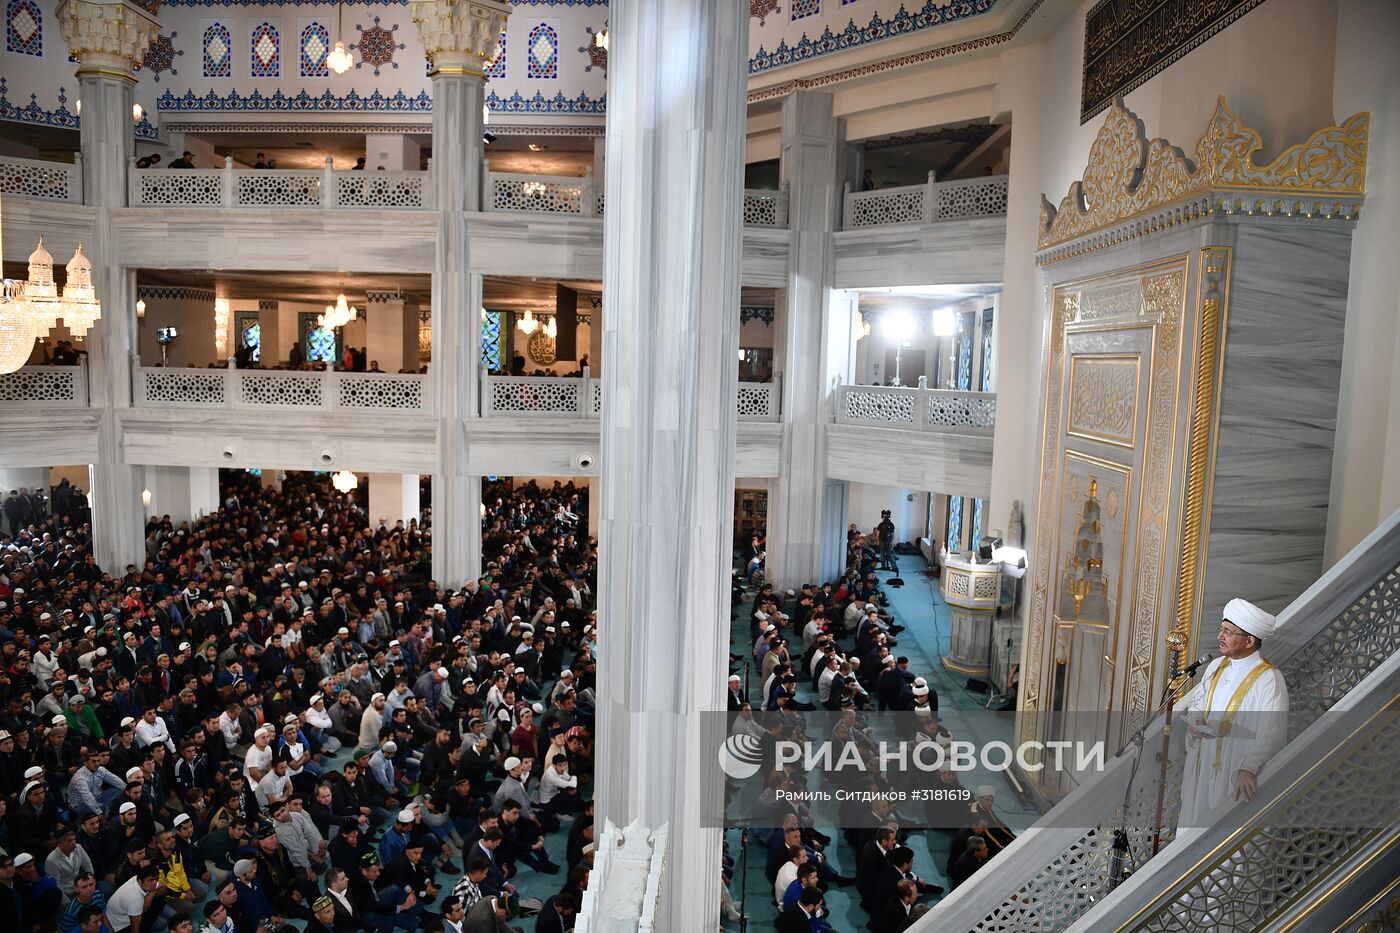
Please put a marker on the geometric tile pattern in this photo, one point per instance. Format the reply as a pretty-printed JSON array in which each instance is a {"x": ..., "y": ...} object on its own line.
[
  {"x": 516, "y": 103},
  {"x": 218, "y": 51},
  {"x": 964, "y": 354},
  {"x": 160, "y": 55},
  {"x": 542, "y": 52},
  {"x": 930, "y": 15},
  {"x": 801, "y": 9},
  {"x": 379, "y": 189},
  {"x": 547, "y": 197},
  {"x": 903, "y": 206},
  {"x": 265, "y": 51},
  {"x": 497, "y": 67},
  {"x": 29, "y": 385},
  {"x": 491, "y": 341},
  {"x": 884, "y": 407},
  {"x": 320, "y": 346},
  {"x": 962, "y": 411},
  {"x": 597, "y": 54},
  {"x": 559, "y": 397},
  {"x": 376, "y": 46},
  {"x": 283, "y": 389},
  {"x": 176, "y": 387},
  {"x": 955, "y": 513},
  {"x": 364, "y": 391},
  {"x": 761, "y": 9},
  {"x": 987, "y": 199},
  {"x": 315, "y": 46},
  {"x": 987, "y": 324},
  {"x": 754, "y": 400},
  {"x": 24, "y": 28},
  {"x": 38, "y": 180},
  {"x": 326, "y": 102}
]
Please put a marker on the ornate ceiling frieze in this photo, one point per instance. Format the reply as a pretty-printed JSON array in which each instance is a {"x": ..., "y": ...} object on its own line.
[{"x": 1131, "y": 179}]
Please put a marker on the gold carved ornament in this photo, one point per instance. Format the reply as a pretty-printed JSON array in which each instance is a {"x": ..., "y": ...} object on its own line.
[{"x": 1129, "y": 176}]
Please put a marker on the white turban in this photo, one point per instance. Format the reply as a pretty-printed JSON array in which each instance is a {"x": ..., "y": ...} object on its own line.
[{"x": 1250, "y": 619}]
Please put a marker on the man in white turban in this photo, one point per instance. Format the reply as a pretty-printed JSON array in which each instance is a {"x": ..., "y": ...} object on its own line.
[{"x": 1235, "y": 717}]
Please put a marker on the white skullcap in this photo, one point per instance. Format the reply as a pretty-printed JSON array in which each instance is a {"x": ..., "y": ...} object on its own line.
[
  {"x": 31, "y": 773},
  {"x": 388, "y": 748},
  {"x": 986, "y": 790},
  {"x": 126, "y": 807},
  {"x": 512, "y": 763},
  {"x": 1250, "y": 619},
  {"x": 442, "y": 672},
  {"x": 406, "y": 815},
  {"x": 242, "y": 867},
  {"x": 735, "y": 678},
  {"x": 182, "y": 819}
]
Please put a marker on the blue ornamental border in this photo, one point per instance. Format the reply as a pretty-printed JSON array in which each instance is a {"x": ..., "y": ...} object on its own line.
[{"x": 902, "y": 23}]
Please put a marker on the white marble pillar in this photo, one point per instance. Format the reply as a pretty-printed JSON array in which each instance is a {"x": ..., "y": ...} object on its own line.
[
  {"x": 458, "y": 38},
  {"x": 109, "y": 39},
  {"x": 671, "y": 238},
  {"x": 811, "y": 344}
]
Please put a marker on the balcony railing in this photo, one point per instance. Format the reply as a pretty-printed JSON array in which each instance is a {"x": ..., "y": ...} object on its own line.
[
  {"x": 47, "y": 181},
  {"x": 45, "y": 387},
  {"x": 926, "y": 203},
  {"x": 583, "y": 197},
  {"x": 581, "y": 397},
  {"x": 263, "y": 389},
  {"x": 919, "y": 409},
  {"x": 325, "y": 188}
]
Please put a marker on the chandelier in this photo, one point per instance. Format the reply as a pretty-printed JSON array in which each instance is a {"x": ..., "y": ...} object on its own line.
[
  {"x": 340, "y": 60},
  {"x": 344, "y": 481},
  {"x": 529, "y": 324},
  {"x": 600, "y": 38},
  {"x": 533, "y": 189},
  {"x": 29, "y": 309},
  {"x": 338, "y": 314}
]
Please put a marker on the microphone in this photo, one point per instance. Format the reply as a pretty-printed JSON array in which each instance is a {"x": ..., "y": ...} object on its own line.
[{"x": 1190, "y": 670}]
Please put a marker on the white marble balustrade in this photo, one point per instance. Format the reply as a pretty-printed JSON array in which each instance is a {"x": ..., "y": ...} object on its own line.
[
  {"x": 243, "y": 389},
  {"x": 926, "y": 203},
  {"x": 920, "y": 409},
  {"x": 584, "y": 197},
  {"x": 45, "y": 387},
  {"x": 325, "y": 188},
  {"x": 46, "y": 181},
  {"x": 582, "y": 397}
]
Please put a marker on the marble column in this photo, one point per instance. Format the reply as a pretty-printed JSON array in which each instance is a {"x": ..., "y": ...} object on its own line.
[
  {"x": 811, "y": 344},
  {"x": 671, "y": 238},
  {"x": 459, "y": 38},
  {"x": 109, "y": 38}
]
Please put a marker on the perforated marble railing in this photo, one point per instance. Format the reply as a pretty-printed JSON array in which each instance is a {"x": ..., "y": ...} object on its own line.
[
  {"x": 926, "y": 203},
  {"x": 583, "y": 196},
  {"x": 581, "y": 397},
  {"x": 45, "y": 387},
  {"x": 1343, "y": 630},
  {"x": 274, "y": 389},
  {"x": 917, "y": 409},
  {"x": 46, "y": 181},
  {"x": 324, "y": 188}
]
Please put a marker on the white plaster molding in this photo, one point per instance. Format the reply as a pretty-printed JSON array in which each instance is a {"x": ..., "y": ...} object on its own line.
[
  {"x": 460, "y": 34},
  {"x": 107, "y": 36}
]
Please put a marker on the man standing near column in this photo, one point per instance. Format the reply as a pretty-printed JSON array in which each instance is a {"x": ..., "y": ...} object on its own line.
[{"x": 1235, "y": 717}]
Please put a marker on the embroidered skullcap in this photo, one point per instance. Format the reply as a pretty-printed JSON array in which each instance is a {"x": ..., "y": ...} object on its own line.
[
  {"x": 986, "y": 790},
  {"x": 1250, "y": 619}
]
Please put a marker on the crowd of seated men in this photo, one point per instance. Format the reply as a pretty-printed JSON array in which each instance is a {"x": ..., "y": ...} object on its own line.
[{"x": 281, "y": 717}]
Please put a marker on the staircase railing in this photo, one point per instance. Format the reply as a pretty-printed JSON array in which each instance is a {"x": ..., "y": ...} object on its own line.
[{"x": 1343, "y": 629}]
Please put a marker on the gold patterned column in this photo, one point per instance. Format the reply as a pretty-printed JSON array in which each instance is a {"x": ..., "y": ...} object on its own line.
[
  {"x": 459, "y": 36},
  {"x": 107, "y": 37}
]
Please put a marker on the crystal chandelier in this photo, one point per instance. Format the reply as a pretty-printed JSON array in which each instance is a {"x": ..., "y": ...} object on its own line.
[
  {"x": 600, "y": 38},
  {"x": 528, "y": 324},
  {"x": 533, "y": 189},
  {"x": 338, "y": 314},
  {"x": 340, "y": 60},
  {"x": 344, "y": 481},
  {"x": 29, "y": 309}
]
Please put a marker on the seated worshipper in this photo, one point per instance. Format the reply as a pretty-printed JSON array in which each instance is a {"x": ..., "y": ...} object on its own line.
[
  {"x": 970, "y": 860},
  {"x": 1236, "y": 717}
]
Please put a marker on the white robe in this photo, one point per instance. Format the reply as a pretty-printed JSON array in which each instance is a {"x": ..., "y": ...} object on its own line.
[{"x": 1259, "y": 731}]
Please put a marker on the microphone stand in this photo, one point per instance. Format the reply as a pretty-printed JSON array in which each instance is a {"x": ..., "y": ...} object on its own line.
[
  {"x": 1121, "y": 848},
  {"x": 743, "y": 879}
]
